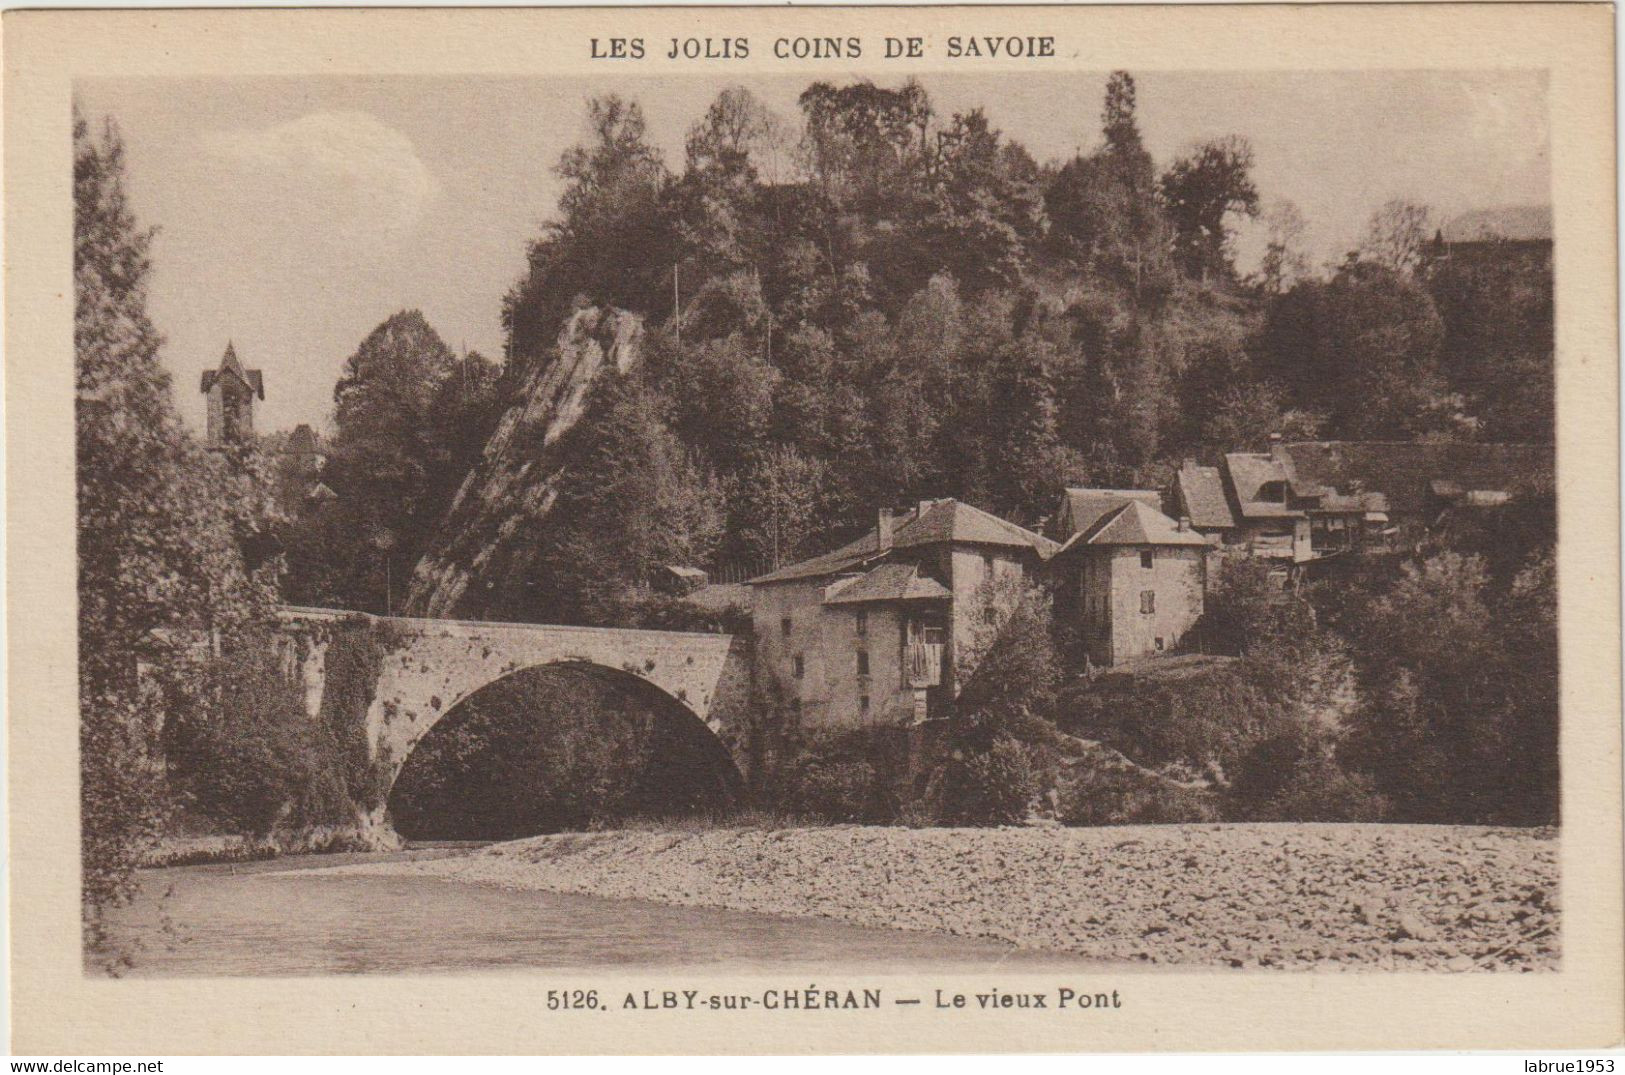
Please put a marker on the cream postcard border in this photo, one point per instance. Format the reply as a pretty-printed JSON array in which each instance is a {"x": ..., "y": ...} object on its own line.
[{"x": 57, "y": 1010}]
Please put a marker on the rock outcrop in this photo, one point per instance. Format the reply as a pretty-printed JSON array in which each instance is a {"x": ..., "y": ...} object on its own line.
[{"x": 481, "y": 548}]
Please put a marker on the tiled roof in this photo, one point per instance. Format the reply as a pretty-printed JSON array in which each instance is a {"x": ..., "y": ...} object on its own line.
[
  {"x": 253, "y": 379},
  {"x": 1403, "y": 470},
  {"x": 1135, "y": 523},
  {"x": 849, "y": 556},
  {"x": 954, "y": 520},
  {"x": 1250, "y": 472},
  {"x": 888, "y": 582},
  {"x": 1086, "y": 506},
  {"x": 941, "y": 521},
  {"x": 1200, "y": 491}
]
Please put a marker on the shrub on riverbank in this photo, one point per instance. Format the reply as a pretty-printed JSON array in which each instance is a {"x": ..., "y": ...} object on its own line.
[
  {"x": 991, "y": 786},
  {"x": 255, "y": 759},
  {"x": 854, "y": 775},
  {"x": 254, "y": 763}
]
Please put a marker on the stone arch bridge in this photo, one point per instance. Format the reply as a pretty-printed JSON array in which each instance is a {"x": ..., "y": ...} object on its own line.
[{"x": 428, "y": 666}]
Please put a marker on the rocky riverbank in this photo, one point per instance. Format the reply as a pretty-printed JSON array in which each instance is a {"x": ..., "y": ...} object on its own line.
[{"x": 1391, "y": 897}]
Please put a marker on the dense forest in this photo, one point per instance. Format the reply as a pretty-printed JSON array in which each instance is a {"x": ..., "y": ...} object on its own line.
[{"x": 874, "y": 303}]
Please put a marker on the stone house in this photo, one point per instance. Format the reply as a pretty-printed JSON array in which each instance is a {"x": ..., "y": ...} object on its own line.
[
  {"x": 1257, "y": 504},
  {"x": 1306, "y": 501},
  {"x": 882, "y": 629},
  {"x": 1269, "y": 525},
  {"x": 1134, "y": 583}
]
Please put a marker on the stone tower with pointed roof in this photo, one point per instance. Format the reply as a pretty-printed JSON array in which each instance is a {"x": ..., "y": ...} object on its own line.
[{"x": 231, "y": 390}]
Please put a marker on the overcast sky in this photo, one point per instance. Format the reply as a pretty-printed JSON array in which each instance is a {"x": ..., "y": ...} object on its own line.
[{"x": 296, "y": 214}]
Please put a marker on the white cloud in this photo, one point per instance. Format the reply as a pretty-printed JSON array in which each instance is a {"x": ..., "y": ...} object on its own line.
[{"x": 333, "y": 172}]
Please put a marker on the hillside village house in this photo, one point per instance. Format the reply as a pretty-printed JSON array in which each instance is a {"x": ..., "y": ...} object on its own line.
[
  {"x": 1134, "y": 581},
  {"x": 1310, "y": 500},
  {"x": 1420, "y": 483},
  {"x": 876, "y": 632}
]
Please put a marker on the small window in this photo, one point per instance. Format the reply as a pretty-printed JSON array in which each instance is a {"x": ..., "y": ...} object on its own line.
[
  {"x": 1148, "y": 601},
  {"x": 801, "y": 666},
  {"x": 863, "y": 622},
  {"x": 863, "y": 704},
  {"x": 784, "y": 626},
  {"x": 1146, "y": 556},
  {"x": 863, "y": 662}
]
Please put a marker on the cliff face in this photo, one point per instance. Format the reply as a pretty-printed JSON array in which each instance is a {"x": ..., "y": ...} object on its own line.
[{"x": 480, "y": 551}]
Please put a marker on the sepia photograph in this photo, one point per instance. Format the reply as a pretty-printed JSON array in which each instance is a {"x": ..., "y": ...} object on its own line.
[
  {"x": 1106, "y": 517},
  {"x": 868, "y": 530}
]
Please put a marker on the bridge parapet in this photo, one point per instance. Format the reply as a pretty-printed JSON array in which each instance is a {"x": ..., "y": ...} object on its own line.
[{"x": 428, "y": 666}]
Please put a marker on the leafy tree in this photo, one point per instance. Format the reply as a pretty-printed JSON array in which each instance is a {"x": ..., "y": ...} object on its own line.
[
  {"x": 721, "y": 395},
  {"x": 1317, "y": 788},
  {"x": 411, "y": 419},
  {"x": 1201, "y": 191},
  {"x": 736, "y": 132},
  {"x": 777, "y": 503},
  {"x": 1104, "y": 209},
  {"x": 866, "y": 146},
  {"x": 718, "y": 202},
  {"x": 163, "y": 526},
  {"x": 995, "y": 785},
  {"x": 1284, "y": 262},
  {"x": 1006, "y": 662},
  {"x": 632, "y": 499},
  {"x": 462, "y": 416},
  {"x": 1245, "y": 416},
  {"x": 1020, "y": 449},
  {"x": 1458, "y": 713},
  {"x": 1397, "y": 235},
  {"x": 917, "y": 373},
  {"x": 257, "y": 761},
  {"x": 985, "y": 210},
  {"x": 1499, "y": 339},
  {"x": 1363, "y": 349},
  {"x": 845, "y": 777},
  {"x": 613, "y": 240}
]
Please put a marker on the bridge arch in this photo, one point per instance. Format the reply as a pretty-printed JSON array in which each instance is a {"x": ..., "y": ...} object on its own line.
[
  {"x": 428, "y": 667},
  {"x": 500, "y": 778}
]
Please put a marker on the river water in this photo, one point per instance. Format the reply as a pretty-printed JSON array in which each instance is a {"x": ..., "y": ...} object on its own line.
[{"x": 287, "y": 918}]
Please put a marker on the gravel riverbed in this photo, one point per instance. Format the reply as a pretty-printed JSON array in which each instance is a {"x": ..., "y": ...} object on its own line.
[{"x": 1360, "y": 897}]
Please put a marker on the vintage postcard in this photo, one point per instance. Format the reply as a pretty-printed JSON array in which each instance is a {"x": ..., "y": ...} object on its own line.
[{"x": 813, "y": 529}]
